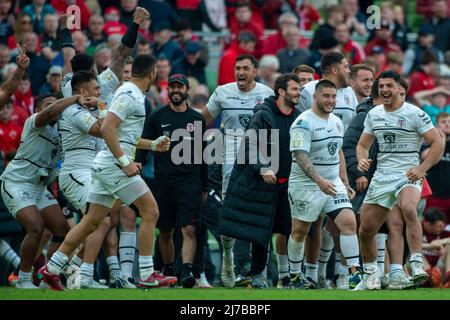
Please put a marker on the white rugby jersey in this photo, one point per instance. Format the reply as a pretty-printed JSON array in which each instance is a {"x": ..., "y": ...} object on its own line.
[
  {"x": 78, "y": 146},
  {"x": 346, "y": 102},
  {"x": 236, "y": 109},
  {"x": 35, "y": 158},
  {"x": 107, "y": 81},
  {"x": 398, "y": 134},
  {"x": 322, "y": 140},
  {"x": 128, "y": 104}
]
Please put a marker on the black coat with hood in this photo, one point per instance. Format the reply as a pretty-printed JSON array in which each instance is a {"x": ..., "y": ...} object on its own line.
[{"x": 249, "y": 206}]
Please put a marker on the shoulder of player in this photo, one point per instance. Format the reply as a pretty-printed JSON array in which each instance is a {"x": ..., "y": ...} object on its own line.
[
  {"x": 263, "y": 89},
  {"x": 310, "y": 87},
  {"x": 195, "y": 114},
  {"x": 303, "y": 121}
]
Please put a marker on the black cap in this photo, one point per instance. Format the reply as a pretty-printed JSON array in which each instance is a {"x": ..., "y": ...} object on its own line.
[
  {"x": 163, "y": 25},
  {"x": 328, "y": 43},
  {"x": 180, "y": 78}
]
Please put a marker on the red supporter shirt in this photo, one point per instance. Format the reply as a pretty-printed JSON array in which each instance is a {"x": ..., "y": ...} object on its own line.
[
  {"x": 420, "y": 81},
  {"x": 432, "y": 257},
  {"x": 9, "y": 136}
]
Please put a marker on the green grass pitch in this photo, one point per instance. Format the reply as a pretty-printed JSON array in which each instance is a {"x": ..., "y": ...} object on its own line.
[{"x": 7, "y": 293}]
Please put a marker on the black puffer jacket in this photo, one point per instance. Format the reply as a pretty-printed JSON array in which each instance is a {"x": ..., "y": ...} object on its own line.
[
  {"x": 351, "y": 138},
  {"x": 249, "y": 206}
]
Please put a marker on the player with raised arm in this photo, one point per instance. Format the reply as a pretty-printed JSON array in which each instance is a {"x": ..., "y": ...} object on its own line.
[
  {"x": 399, "y": 128},
  {"x": 115, "y": 175}
]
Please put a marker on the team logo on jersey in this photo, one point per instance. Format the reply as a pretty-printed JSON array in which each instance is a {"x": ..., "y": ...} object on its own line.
[
  {"x": 401, "y": 122},
  {"x": 332, "y": 147},
  {"x": 389, "y": 137},
  {"x": 258, "y": 100},
  {"x": 244, "y": 119},
  {"x": 190, "y": 127},
  {"x": 347, "y": 99}
]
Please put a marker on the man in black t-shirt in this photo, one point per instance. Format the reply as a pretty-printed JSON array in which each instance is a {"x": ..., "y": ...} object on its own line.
[{"x": 181, "y": 175}]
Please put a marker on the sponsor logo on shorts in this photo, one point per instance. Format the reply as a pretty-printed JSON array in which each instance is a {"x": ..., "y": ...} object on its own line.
[
  {"x": 24, "y": 196},
  {"x": 406, "y": 182},
  {"x": 341, "y": 198},
  {"x": 301, "y": 206}
]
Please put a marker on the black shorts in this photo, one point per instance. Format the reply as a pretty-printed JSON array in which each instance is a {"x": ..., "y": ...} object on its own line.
[
  {"x": 179, "y": 206},
  {"x": 210, "y": 212},
  {"x": 283, "y": 220}
]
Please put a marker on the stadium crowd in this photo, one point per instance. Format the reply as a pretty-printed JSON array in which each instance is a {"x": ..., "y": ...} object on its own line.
[{"x": 274, "y": 55}]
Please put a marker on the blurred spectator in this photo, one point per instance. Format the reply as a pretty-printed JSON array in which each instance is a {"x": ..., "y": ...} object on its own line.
[
  {"x": 433, "y": 101},
  {"x": 164, "y": 43},
  {"x": 160, "y": 12},
  {"x": 23, "y": 99},
  {"x": 38, "y": 9},
  {"x": 378, "y": 55},
  {"x": 352, "y": 51},
  {"x": 114, "y": 41},
  {"x": 326, "y": 30},
  {"x": 80, "y": 41},
  {"x": 8, "y": 70},
  {"x": 127, "y": 8},
  {"x": 61, "y": 7},
  {"x": 4, "y": 55},
  {"x": 401, "y": 29},
  {"x": 440, "y": 23},
  {"x": 244, "y": 20},
  {"x": 112, "y": 24},
  {"x": 371, "y": 62},
  {"x": 6, "y": 20},
  {"x": 255, "y": 7},
  {"x": 93, "y": 7},
  {"x": 50, "y": 42},
  {"x": 438, "y": 175},
  {"x": 199, "y": 102},
  {"x": 194, "y": 11},
  {"x": 102, "y": 57},
  {"x": 305, "y": 73},
  {"x": 355, "y": 20},
  {"x": 144, "y": 31},
  {"x": 275, "y": 42},
  {"x": 95, "y": 33},
  {"x": 53, "y": 83},
  {"x": 267, "y": 66},
  {"x": 10, "y": 131},
  {"x": 191, "y": 65},
  {"x": 394, "y": 62},
  {"x": 245, "y": 43},
  {"x": 292, "y": 55},
  {"x": 444, "y": 82},
  {"x": 425, "y": 42},
  {"x": 423, "y": 77},
  {"x": 326, "y": 44},
  {"x": 23, "y": 24},
  {"x": 216, "y": 12},
  {"x": 185, "y": 36},
  {"x": 425, "y": 8},
  {"x": 163, "y": 69},
  {"x": 383, "y": 38},
  {"x": 39, "y": 65},
  {"x": 308, "y": 14},
  {"x": 143, "y": 47}
]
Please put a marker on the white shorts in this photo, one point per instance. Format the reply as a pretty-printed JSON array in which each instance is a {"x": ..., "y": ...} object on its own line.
[
  {"x": 110, "y": 183},
  {"x": 308, "y": 205},
  {"x": 384, "y": 189},
  {"x": 17, "y": 196},
  {"x": 75, "y": 187}
]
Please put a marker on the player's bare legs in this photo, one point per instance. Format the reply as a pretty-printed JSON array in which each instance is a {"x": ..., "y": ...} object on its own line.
[
  {"x": 57, "y": 224},
  {"x": 296, "y": 248},
  {"x": 312, "y": 248}
]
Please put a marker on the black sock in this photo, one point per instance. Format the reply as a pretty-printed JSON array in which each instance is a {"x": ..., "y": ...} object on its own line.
[
  {"x": 169, "y": 269},
  {"x": 187, "y": 269}
]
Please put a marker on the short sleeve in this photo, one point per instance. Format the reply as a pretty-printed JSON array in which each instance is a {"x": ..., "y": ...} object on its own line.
[
  {"x": 368, "y": 128},
  {"x": 423, "y": 122},
  {"x": 108, "y": 82},
  {"x": 300, "y": 136},
  {"x": 66, "y": 85},
  {"x": 84, "y": 120},
  {"x": 122, "y": 106},
  {"x": 305, "y": 101},
  {"x": 214, "y": 106}
]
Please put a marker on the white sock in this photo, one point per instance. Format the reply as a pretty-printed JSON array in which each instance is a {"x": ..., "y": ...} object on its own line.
[
  {"x": 394, "y": 268},
  {"x": 145, "y": 266},
  {"x": 87, "y": 271},
  {"x": 337, "y": 263},
  {"x": 283, "y": 266},
  {"x": 370, "y": 267},
  {"x": 325, "y": 252},
  {"x": 416, "y": 257},
  {"x": 113, "y": 265},
  {"x": 57, "y": 262},
  {"x": 127, "y": 246},
  {"x": 24, "y": 276},
  {"x": 381, "y": 247},
  {"x": 350, "y": 249},
  {"x": 228, "y": 244},
  {"x": 76, "y": 261},
  {"x": 8, "y": 254},
  {"x": 311, "y": 271},
  {"x": 295, "y": 254}
]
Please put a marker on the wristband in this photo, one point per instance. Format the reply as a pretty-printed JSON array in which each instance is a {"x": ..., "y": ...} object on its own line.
[
  {"x": 66, "y": 38},
  {"x": 102, "y": 114},
  {"x": 156, "y": 142},
  {"x": 123, "y": 161},
  {"x": 102, "y": 109}
]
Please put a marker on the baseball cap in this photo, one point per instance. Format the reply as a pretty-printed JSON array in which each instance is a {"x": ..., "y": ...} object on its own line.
[
  {"x": 192, "y": 47},
  {"x": 55, "y": 70},
  {"x": 180, "y": 78}
]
